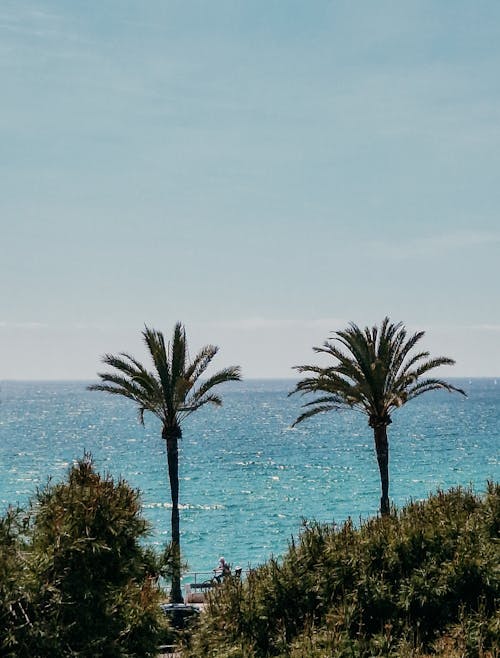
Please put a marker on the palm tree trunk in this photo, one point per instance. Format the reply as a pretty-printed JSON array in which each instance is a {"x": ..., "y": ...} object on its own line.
[
  {"x": 172, "y": 437},
  {"x": 382, "y": 449}
]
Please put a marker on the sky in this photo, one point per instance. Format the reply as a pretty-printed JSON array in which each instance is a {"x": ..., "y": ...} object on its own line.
[{"x": 263, "y": 171}]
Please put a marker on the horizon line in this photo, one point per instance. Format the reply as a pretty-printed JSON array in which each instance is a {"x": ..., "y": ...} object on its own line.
[{"x": 244, "y": 379}]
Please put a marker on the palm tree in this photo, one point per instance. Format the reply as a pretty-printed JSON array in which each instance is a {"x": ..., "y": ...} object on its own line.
[
  {"x": 171, "y": 391},
  {"x": 375, "y": 371}
]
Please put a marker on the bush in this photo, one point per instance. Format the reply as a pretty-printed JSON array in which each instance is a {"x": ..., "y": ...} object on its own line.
[
  {"x": 84, "y": 584},
  {"x": 15, "y": 605},
  {"x": 400, "y": 585}
]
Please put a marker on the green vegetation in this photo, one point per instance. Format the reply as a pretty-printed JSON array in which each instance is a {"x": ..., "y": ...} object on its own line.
[
  {"x": 77, "y": 581},
  {"x": 74, "y": 577},
  {"x": 172, "y": 392},
  {"x": 424, "y": 581},
  {"x": 375, "y": 371}
]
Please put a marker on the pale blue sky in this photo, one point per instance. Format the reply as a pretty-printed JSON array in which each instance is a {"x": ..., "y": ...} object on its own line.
[{"x": 264, "y": 172}]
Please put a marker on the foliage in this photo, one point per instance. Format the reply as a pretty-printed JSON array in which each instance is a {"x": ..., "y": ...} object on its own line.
[
  {"x": 172, "y": 392},
  {"x": 425, "y": 579},
  {"x": 15, "y": 602},
  {"x": 84, "y": 585}
]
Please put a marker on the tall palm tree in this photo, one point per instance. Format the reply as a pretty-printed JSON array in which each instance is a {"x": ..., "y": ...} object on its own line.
[
  {"x": 171, "y": 391},
  {"x": 375, "y": 371}
]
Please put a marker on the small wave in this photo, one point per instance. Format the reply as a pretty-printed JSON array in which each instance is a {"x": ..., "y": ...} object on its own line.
[{"x": 185, "y": 506}]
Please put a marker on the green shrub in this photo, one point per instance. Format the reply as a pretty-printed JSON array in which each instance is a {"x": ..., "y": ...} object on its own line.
[
  {"x": 15, "y": 604},
  {"x": 397, "y": 586},
  {"x": 87, "y": 585}
]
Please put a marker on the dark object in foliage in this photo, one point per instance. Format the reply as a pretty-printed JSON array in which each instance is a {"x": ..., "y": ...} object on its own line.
[{"x": 181, "y": 615}]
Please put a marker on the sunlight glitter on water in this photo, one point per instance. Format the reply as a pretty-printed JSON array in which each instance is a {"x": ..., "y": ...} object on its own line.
[{"x": 247, "y": 478}]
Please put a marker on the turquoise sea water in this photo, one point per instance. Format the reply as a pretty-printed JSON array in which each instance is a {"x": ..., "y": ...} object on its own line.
[{"x": 247, "y": 478}]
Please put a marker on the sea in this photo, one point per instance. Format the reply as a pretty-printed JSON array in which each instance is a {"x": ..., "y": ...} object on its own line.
[{"x": 248, "y": 480}]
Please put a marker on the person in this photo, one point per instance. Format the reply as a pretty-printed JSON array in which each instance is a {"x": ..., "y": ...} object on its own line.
[{"x": 222, "y": 570}]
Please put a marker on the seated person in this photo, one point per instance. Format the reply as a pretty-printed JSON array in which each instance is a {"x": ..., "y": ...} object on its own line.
[{"x": 222, "y": 570}]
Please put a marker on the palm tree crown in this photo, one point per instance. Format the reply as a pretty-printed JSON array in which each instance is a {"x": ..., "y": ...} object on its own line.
[
  {"x": 171, "y": 391},
  {"x": 375, "y": 371}
]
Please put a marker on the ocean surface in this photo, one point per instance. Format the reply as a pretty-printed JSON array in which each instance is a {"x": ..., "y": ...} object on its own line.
[{"x": 247, "y": 479}]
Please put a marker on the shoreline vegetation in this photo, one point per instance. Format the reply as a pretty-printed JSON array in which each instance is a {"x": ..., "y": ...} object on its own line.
[
  {"x": 77, "y": 580},
  {"x": 417, "y": 582},
  {"x": 75, "y": 577}
]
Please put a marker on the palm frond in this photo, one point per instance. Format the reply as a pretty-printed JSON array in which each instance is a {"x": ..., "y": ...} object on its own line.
[
  {"x": 431, "y": 364},
  {"x": 140, "y": 413},
  {"x": 192, "y": 373},
  {"x": 301, "y": 369},
  {"x": 132, "y": 371},
  {"x": 312, "y": 384},
  {"x": 355, "y": 342},
  {"x": 210, "y": 398},
  {"x": 408, "y": 365},
  {"x": 136, "y": 373},
  {"x": 229, "y": 374},
  {"x": 328, "y": 399},
  {"x": 142, "y": 374},
  {"x": 193, "y": 406},
  {"x": 331, "y": 382},
  {"x": 373, "y": 369},
  {"x": 155, "y": 343},
  {"x": 345, "y": 366},
  {"x": 201, "y": 362},
  {"x": 406, "y": 348},
  {"x": 313, "y": 412},
  {"x": 129, "y": 392},
  {"x": 121, "y": 362},
  {"x": 177, "y": 352},
  {"x": 429, "y": 384},
  {"x": 115, "y": 383},
  {"x": 115, "y": 390}
]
